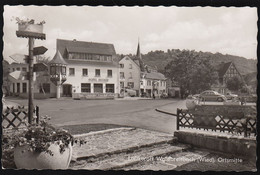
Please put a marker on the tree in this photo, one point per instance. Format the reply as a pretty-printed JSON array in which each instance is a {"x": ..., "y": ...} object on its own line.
[
  {"x": 191, "y": 71},
  {"x": 235, "y": 83}
]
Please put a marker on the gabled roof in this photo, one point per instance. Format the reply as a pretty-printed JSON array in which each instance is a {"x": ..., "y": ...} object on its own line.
[
  {"x": 132, "y": 60},
  {"x": 18, "y": 75},
  {"x": 17, "y": 58},
  {"x": 222, "y": 68},
  {"x": 58, "y": 59},
  {"x": 155, "y": 76},
  {"x": 85, "y": 47}
]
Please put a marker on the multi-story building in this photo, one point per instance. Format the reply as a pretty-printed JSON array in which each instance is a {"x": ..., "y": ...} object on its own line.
[
  {"x": 226, "y": 71},
  {"x": 19, "y": 82},
  {"x": 92, "y": 69},
  {"x": 152, "y": 84},
  {"x": 129, "y": 75}
]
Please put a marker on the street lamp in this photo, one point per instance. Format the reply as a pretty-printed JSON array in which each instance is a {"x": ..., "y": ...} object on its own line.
[{"x": 58, "y": 71}]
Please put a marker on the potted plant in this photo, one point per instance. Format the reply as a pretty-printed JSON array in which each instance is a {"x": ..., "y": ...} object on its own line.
[
  {"x": 29, "y": 26},
  {"x": 41, "y": 146}
]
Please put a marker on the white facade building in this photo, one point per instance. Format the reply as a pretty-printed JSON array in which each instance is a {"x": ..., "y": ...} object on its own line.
[
  {"x": 92, "y": 69},
  {"x": 129, "y": 75}
]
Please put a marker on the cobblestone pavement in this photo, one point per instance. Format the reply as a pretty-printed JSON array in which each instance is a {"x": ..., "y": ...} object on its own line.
[{"x": 113, "y": 140}]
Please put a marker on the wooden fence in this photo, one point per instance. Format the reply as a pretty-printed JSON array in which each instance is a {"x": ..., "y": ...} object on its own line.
[
  {"x": 231, "y": 122},
  {"x": 17, "y": 117}
]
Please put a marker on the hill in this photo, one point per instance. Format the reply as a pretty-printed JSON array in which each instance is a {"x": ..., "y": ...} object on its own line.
[{"x": 161, "y": 59}]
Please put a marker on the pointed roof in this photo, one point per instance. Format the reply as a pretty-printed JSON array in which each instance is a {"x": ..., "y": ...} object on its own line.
[
  {"x": 222, "y": 68},
  {"x": 139, "y": 57},
  {"x": 57, "y": 59}
]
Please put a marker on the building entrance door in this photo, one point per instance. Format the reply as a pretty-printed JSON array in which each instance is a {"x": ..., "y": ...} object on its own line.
[{"x": 67, "y": 90}]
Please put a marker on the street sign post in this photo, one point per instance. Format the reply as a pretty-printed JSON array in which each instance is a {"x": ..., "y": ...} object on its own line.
[
  {"x": 39, "y": 50},
  {"x": 38, "y": 67},
  {"x": 26, "y": 32}
]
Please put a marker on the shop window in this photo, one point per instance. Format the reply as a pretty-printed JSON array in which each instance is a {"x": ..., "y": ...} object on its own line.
[
  {"x": 85, "y": 87},
  {"x": 110, "y": 88},
  {"x": 98, "y": 88}
]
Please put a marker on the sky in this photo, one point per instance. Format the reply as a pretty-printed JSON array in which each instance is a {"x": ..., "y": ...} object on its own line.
[{"x": 209, "y": 29}]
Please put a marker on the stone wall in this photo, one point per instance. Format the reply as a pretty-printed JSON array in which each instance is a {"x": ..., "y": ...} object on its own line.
[{"x": 245, "y": 147}]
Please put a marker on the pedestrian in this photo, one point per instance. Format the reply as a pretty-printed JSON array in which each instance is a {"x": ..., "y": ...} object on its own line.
[{"x": 153, "y": 96}]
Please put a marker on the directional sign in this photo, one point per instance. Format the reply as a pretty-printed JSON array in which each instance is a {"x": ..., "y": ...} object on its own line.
[
  {"x": 40, "y": 67},
  {"x": 39, "y": 50}
]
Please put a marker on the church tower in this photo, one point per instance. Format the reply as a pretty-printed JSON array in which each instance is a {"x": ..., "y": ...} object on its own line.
[{"x": 139, "y": 57}]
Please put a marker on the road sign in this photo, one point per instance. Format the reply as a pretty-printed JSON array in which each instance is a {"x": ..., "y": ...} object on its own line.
[
  {"x": 39, "y": 50},
  {"x": 39, "y": 67}
]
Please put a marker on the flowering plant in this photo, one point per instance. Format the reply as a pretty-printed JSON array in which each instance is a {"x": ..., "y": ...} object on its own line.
[
  {"x": 39, "y": 137},
  {"x": 27, "y": 21}
]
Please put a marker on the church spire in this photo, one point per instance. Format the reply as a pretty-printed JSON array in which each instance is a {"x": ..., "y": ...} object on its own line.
[
  {"x": 139, "y": 56},
  {"x": 138, "y": 53}
]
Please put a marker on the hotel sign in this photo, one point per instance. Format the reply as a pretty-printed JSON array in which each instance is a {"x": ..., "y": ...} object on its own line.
[{"x": 98, "y": 79}]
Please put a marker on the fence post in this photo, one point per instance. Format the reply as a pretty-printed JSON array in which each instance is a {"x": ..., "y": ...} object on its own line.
[
  {"x": 37, "y": 114},
  {"x": 178, "y": 122}
]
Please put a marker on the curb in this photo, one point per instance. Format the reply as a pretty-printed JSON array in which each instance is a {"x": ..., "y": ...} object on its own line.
[
  {"x": 102, "y": 132},
  {"x": 169, "y": 113}
]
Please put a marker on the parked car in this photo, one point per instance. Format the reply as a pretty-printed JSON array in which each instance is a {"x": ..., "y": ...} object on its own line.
[
  {"x": 130, "y": 92},
  {"x": 211, "y": 95},
  {"x": 231, "y": 96}
]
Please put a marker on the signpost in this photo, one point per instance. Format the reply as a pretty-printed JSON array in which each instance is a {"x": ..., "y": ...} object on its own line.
[{"x": 24, "y": 31}]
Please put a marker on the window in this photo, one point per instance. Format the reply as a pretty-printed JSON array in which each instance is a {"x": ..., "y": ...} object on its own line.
[
  {"x": 18, "y": 68},
  {"x": 121, "y": 65},
  {"x": 98, "y": 88},
  {"x": 24, "y": 69},
  {"x": 130, "y": 66},
  {"x": 148, "y": 82},
  {"x": 141, "y": 82},
  {"x": 109, "y": 88},
  {"x": 122, "y": 75},
  {"x": 84, "y": 72},
  {"x": 97, "y": 72},
  {"x": 45, "y": 88},
  {"x": 85, "y": 87},
  {"x": 18, "y": 87},
  {"x": 13, "y": 69},
  {"x": 130, "y": 84},
  {"x": 71, "y": 71},
  {"x": 24, "y": 87},
  {"x": 109, "y": 73},
  {"x": 130, "y": 75},
  {"x": 122, "y": 84},
  {"x": 63, "y": 70},
  {"x": 13, "y": 87}
]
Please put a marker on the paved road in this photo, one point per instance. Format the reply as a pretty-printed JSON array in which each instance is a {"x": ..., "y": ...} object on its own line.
[{"x": 136, "y": 113}]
